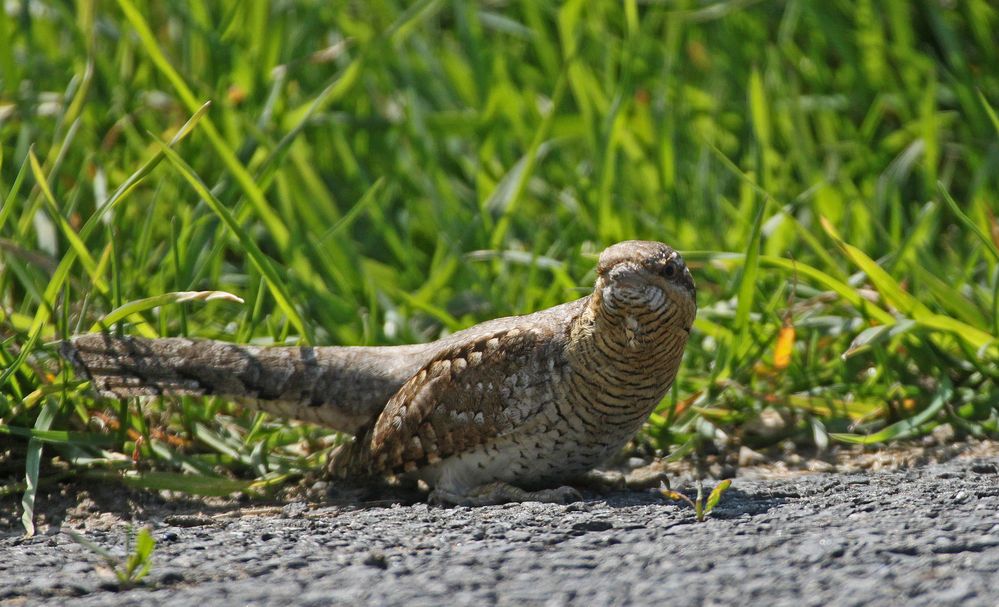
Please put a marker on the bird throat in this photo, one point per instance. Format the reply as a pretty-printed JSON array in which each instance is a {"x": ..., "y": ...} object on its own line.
[{"x": 605, "y": 338}]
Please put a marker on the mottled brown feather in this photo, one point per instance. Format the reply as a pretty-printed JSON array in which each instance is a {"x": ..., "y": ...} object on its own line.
[
  {"x": 523, "y": 401},
  {"x": 452, "y": 405}
]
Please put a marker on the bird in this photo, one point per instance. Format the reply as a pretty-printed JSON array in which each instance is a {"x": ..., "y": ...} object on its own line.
[{"x": 511, "y": 409}]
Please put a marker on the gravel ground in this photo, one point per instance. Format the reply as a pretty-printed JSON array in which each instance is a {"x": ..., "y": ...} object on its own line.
[{"x": 922, "y": 536}]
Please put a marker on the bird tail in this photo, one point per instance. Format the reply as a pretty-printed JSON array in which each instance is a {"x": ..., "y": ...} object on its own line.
[{"x": 341, "y": 387}]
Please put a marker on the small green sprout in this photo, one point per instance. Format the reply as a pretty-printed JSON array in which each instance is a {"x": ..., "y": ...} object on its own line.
[
  {"x": 132, "y": 568},
  {"x": 700, "y": 508}
]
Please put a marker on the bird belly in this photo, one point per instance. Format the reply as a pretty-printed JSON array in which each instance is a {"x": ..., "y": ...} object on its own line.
[{"x": 546, "y": 456}]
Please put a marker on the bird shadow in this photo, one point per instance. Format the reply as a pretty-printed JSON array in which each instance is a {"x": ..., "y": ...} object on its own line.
[{"x": 81, "y": 500}]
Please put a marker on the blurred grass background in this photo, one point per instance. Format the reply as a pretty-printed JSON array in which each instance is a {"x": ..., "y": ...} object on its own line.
[{"x": 384, "y": 172}]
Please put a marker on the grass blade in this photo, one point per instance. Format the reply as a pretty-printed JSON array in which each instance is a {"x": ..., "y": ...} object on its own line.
[
  {"x": 524, "y": 172},
  {"x": 257, "y": 257},
  {"x": 275, "y": 226},
  {"x": 8, "y": 203},
  {"x": 59, "y": 437},
  {"x": 905, "y": 428},
  {"x": 74, "y": 239},
  {"x": 61, "y": 273},
  {"x": 747, "y": 282},
  {"x": 92, "y": 546},
  {"x": 148, "y": 303},
  {"x": 716, "y": 495},
  {"x": 32, "y": 468},
  {"x": 967, "y": 222},
  {"x": 892, "y": 291},
  {"x": 845, "y": 291},
  {"x": 185, "y": 483}
]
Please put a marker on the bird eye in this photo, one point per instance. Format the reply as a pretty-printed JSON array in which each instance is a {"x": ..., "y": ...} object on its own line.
[{"x": 670, "y": 270}]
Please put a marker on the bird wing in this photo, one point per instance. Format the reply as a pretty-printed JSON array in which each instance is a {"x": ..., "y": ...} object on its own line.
[{"x": 463, "y": 398}]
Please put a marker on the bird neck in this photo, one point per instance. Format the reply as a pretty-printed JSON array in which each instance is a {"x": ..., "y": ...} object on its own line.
[
  {"x": 616, "y": 377},
  {"x": 602, "y": 335},
  {"x": 649, "y": 354}
]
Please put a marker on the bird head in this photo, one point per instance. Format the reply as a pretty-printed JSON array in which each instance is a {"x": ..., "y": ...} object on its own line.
[{"x": 646, "y": 283}]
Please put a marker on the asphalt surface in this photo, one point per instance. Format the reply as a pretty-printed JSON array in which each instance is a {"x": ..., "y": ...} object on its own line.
[{"x": 923, "y": 536}]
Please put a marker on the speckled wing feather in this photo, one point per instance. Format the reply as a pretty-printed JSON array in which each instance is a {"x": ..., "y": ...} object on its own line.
[{"x": 468, "y": 395}]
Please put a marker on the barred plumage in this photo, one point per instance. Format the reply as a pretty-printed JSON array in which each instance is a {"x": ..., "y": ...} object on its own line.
[{"x": 483, "y": 415}]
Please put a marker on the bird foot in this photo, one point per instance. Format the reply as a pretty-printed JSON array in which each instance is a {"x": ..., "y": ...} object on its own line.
[
  {"x": 501, "y": 493},
  {"x": 606, "y": 481}
]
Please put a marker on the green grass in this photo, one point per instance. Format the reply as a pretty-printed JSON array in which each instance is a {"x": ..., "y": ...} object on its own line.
[{"x": 384, "y": 172}]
